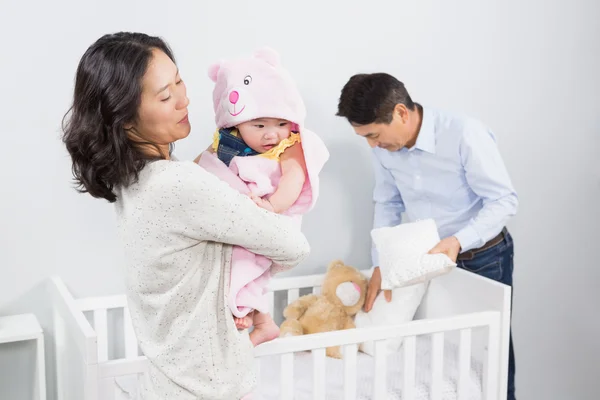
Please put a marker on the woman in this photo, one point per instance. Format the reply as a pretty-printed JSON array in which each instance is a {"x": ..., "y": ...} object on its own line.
[{"x": 177, "y": 222}]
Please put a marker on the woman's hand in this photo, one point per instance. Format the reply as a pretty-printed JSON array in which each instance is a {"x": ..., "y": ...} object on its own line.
[{"x": 262, "y": 203}]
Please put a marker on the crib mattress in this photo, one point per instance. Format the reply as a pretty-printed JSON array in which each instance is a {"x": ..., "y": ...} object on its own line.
[{"x": 269, "y": 386}]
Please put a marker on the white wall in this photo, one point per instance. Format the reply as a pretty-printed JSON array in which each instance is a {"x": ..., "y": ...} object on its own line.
[{"x": 527, "y": 68}]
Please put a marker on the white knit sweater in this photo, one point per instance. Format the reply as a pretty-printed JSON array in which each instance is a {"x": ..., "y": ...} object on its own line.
[{"x": 178, "y": 224}]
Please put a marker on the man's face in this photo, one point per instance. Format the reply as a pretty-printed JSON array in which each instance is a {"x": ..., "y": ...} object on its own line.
[{"x": 391, "y": 137}]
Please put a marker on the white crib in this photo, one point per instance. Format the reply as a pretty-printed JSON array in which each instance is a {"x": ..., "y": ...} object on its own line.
[{"x": 456, "y": 348}]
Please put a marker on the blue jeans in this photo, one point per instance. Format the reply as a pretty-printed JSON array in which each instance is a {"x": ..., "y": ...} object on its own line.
[{"x": 497, "y": 263}]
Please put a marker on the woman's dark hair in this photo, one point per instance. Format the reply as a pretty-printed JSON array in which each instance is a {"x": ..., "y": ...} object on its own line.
[
  {"x": 371, "y": 98},
  {"x": 107, "y": 96}
]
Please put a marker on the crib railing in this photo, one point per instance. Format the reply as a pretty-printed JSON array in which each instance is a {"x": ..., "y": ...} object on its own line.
[
  {"x": 132, "y": 364},
  {"x": 438, "y": 328},
  {"x": 100, "y": 306},
  {"x": 291, "y": 286},
  {"x": 349, "y": 340}
]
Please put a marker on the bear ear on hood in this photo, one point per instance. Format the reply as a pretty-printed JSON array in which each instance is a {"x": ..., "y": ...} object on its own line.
[
  {"x": 269, "y": 55},
  {"x": 213, "y": 70}
]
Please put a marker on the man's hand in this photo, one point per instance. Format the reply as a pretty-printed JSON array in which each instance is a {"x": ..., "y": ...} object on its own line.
[
  {"x": 373, "y": 290},
  {"x": 449, "y": 246}
]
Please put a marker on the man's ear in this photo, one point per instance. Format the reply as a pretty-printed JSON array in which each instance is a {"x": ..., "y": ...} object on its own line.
[{"x": 401, "y": 111}]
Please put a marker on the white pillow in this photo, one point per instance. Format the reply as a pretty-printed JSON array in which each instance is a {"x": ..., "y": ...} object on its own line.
[
  {"x": 403, "y": 258},
  {"x": 401, "y": 309}
]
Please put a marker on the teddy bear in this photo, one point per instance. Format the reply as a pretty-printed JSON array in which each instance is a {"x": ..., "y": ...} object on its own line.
[{"x": 343, "y": 294}]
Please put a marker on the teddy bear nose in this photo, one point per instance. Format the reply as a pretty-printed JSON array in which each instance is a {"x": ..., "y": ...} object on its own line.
[
  {"x": 356, "y": 287},
  {"x": 234, "y": 97}
]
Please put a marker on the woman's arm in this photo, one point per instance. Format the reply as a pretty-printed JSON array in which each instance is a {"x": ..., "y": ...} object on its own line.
[{"x": 209, "y": 209}]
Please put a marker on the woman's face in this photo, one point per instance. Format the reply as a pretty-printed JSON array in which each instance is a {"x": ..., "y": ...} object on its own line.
[{"x": 163, "y": 114}]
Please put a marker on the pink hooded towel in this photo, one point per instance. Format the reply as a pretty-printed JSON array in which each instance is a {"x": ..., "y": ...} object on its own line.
[{"x": 246, "y": 89}]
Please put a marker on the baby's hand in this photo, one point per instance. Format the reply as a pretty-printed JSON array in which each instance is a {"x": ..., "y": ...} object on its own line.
[{"x": 262, "y": 203}]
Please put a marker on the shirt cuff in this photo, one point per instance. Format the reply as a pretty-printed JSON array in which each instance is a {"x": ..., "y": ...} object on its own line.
[
  {"x": 374, "y": 257},
  {"x": 468, "y": 238}
]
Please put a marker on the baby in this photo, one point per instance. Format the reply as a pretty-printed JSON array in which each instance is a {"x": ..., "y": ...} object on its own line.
[
  {"x": 262, "y": 149},
  {"x": 274, "y": 139}
]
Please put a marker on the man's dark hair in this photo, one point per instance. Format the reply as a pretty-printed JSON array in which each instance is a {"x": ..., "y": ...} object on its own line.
[{"x": 371, "y": 98}]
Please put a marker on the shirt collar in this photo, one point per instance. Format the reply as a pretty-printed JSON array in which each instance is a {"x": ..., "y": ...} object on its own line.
[{"x": 426, "y": 137}]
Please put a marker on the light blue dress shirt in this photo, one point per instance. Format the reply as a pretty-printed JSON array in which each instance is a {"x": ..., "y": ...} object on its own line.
[{"x": 454, "y": 174}]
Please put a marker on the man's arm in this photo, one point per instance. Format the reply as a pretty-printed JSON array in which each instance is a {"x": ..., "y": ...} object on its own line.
[
  {"x": 388, "y": 212},
  {"x": 387, "y": 201},
  {"x": 487, "y": 176}
]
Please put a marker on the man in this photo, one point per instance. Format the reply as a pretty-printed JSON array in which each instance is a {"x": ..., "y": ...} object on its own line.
[{"x": 432, "y": 164}]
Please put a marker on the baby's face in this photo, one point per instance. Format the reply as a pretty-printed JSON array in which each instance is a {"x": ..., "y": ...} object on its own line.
[{"x": 263, "y": 134}]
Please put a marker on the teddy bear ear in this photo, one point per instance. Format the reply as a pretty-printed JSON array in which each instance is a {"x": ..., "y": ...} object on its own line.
[
  {"x": 269, "y": 55},
  {"x": 213, "y": 71},
  {"x": 335, "y": 264}
]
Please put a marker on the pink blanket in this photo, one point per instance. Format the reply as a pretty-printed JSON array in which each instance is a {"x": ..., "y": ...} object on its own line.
[{"x": 250, "y": 273}]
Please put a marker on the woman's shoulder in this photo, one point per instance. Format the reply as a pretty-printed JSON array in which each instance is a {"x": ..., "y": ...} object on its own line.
[
  {"x": 164, "y": 183},
  {"x": 173, "y": 166},
  {"x": 167, "y": 183},
  {"x": 167, "y": 173}
]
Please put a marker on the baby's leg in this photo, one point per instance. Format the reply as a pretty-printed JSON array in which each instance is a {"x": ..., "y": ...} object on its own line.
[
  {"x": 244, "y": 322},
  {"x": 265, "y": 328}
]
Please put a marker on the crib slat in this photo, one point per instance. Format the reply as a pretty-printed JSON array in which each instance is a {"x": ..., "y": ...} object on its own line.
[
  {"x": 271, "y": 302},
  {"x": 293, "y": 295},
  {"x": 490, "y": 368},
  {"x": 316, "y": 290},
  {"x": 131, "y": 346},
  {"x": 380, "y": 380},
  {"x": 349, "y": 353},
  {"x": 410, "y": 351},
  {"x": 464, "y": 363},
  {"x": 319, "y": 374},
  {"x": 287, "y": 376},
  {"x": 101, "y": 328},
  {"x": 437, "y": 364}
]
